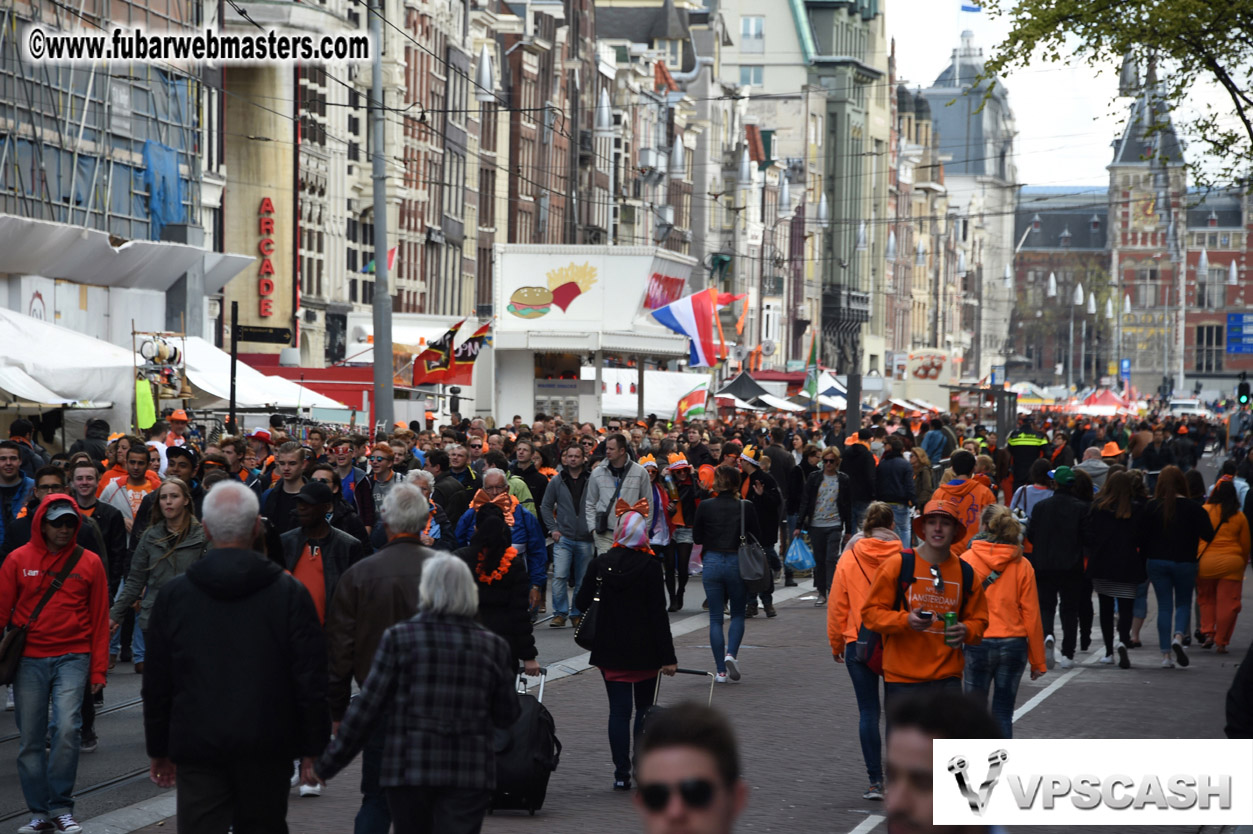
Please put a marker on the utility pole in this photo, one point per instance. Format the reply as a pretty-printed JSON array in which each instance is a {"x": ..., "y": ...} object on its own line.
[{"x": 384, "y": 396}]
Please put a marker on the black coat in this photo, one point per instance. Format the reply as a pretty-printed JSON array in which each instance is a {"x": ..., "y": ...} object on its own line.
[
  {"x": 894, "y": 479},
  {"x": 1110, "y": 545},
  {"x": 340, "y": 551},
  {"x": 632, "y": 627},
  {"x": 345, "y": 519},
  {"x": 236, "y": 610},
  {"x": 781, "y": 465},
  {"x": 1054, "y": 533},
  {"x": 717, "y": 523},
  {"x": 505, "y": 605},
  {"x": 858, "y": 464},
  {"x": 767, "y": 506},
  {"x": 796, "y": 488},
  {"x": 809, "y": 500}
]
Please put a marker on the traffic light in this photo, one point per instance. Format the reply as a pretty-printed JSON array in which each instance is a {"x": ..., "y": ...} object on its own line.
[{"x": 1242, "y": 393}]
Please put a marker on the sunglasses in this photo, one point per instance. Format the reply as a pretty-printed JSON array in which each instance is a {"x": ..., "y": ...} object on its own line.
[
  {"x": 830, "y": 460},
  {"x": 695, "y": 793},
  {"x": 587, "y": 443},
  {"x": 377, "y": 458},
  {"x": 63, "y": 522},
  {"x": 936, "y": 580}
]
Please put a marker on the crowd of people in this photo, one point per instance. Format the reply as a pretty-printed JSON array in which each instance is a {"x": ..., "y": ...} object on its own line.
[{"x": 942, "y": 554}]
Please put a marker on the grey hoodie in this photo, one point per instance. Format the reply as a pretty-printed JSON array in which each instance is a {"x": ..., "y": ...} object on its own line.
[{"x": 1098, "y": 471}]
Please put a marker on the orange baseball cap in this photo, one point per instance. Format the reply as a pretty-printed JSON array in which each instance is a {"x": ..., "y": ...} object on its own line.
[
  {"x": 949, "y": 509},
  {"x": 1183, "y": 428},
  {"x": 179, "y": 414}
]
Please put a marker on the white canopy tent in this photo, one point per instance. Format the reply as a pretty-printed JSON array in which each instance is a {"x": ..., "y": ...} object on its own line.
[
  {"x": 662, "y": 390},
  {"x": 209, "y": 371},
  {"x": 778, "y": 403}
]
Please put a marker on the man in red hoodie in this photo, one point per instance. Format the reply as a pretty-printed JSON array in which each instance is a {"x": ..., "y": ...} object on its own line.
[{"x": 67, "y": 646}]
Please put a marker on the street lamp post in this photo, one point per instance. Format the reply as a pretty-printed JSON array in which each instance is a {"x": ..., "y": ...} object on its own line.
[{"x": 1077, "y": 301}]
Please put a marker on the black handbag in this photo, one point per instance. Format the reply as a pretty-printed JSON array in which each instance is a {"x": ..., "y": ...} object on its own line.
[
  {"x": 14, "y": 642},
  {"x": 754, "y": 569},
  {"x": 585, "y": 634}
]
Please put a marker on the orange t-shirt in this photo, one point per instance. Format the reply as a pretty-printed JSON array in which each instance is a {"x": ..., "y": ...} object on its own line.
[
  {"x": 914, "y": 656},
  {"x": 310, "y": 574},
  {"x": 136, "y": 494}
]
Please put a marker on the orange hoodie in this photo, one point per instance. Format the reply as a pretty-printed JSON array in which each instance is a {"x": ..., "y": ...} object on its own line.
[
  {"x": 973, "y": 497},
  {"x": 1013, "y": 602},
  {"x": 916, "y": 656},
  {"x": 853, "y": 575},
  {"x": 1228, "y": 554}
]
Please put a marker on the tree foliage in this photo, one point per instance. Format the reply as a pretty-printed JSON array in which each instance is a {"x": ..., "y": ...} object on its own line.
[{"x": 1193, "y": 42}]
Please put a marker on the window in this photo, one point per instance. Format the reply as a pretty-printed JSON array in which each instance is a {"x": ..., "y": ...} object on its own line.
[
  {"x": 1146, "y": 288},
  {"x": 751, "y": 75},
  {"x": 672, "y": 51},
  {"x": 1211, "y": 289},
  {"x": 1209, "y": 348},
  {"x": 752, "y": 35}
]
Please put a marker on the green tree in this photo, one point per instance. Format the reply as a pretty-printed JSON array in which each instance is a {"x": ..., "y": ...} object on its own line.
[{"x": 1193, "y": 42}]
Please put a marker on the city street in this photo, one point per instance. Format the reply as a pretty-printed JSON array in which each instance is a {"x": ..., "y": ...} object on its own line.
[{"x": 794, "y": 712}]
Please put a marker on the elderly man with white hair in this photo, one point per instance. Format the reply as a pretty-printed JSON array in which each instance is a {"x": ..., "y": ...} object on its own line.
[
  {"x": 229, "y": 739},
  {"x": 438, "y": 775},
  {"x": 372, "y": 596},
  {"x": 525, "y": 531},
  {"x": 438, "y": 532}
]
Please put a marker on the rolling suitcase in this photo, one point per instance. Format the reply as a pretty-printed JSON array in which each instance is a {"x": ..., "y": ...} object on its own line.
[
  {"x": 526, "y": 754},
  {"x": 656, "y": 709}
]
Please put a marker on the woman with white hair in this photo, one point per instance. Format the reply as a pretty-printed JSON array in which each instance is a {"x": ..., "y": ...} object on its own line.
[
  {"x": 444, "y": 683},
  {"x": 438, "y": 533}
]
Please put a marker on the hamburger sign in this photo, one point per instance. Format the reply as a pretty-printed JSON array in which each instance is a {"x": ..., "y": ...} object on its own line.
[{"x": 564, "y": 285}]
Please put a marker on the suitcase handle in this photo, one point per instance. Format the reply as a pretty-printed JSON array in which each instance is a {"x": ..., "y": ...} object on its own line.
[
  {"x": 521, "y": 686},
  {"x": 712, "y": 681}
]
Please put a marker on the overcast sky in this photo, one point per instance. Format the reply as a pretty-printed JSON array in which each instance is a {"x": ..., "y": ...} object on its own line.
[{"x": 1063, "y": 113}]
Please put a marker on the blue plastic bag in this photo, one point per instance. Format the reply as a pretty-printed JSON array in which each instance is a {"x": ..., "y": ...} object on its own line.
[{"x": 799, "y": 556}]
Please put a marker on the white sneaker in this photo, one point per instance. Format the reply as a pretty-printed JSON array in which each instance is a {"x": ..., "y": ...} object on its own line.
[
  {"x": 1108, "y": 660},
  {"x": 1167, "y": 663},
  {"x": 1048, "y": 652},
  {"x": 721, "y": 677},
  {"x": 1065, "y": 662},
  {"x": 310, "y": 790},
  {"x": 733, "y": 667},
  {"x": 295, "y": 777}
]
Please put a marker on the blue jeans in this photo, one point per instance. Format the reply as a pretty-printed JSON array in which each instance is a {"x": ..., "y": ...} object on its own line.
[
  {"x": 621, "y": 694},
  {"x": 1173, "y": 583},
  {"x": 999, "y": 660},
  {"x": 859, "y": 513},
  {"x": 866, "y": 688},
  {"x": 569, "y": 555},
  {"x": 47, "y": 775},
  {"x": 137, "y": 644},
  {"x": 374, "y": 817},
  {"x": 1141, "y": 608},
  {"x": 904, "y": 530},
  {"x": 721, "y": 578}
]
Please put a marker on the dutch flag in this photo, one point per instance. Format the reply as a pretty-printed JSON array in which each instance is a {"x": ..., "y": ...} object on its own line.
[{"x": 693, "y": 316}]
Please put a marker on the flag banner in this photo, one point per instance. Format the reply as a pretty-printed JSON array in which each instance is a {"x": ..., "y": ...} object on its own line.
[
  {"x": 391, "y": 262},
  {"x": 695, "y": 316},
  {"x": 462, "y": 370},
  {"x": 433, "y": 363},
  {"x": 692, "y": 404},
  {"x": 968, "y": 6},
  {"x": 811, "y": 368}
]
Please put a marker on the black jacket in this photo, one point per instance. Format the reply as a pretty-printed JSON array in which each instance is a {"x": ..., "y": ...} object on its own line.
[
  {"x": 1110, "y": 545},
  {"x": 505, "y": 604},
  {"x": 94, "y": 442},
  {"x": 796, "y": 489},
  {"x": 858, "y": 464},
  {"x": 1179, "y": 540},
  {"x": 116, "y": 551},
  {"x": 1054, "y": 533},
  {"x": 632, "y": 627},
  {"x": 345, "y": 519},
  {"x": 236, "y": 610},
  {"x": 809, "y": 500},
  {"x": 1240, "y": 700},
  {"x": 537, "y": 483},
  {"x": 717, "y": 524},
  {"x": 451, "y": 495},
  {"x": 781, "y": 465},
  {"x": 339, "y": 552},
  {"x": 894, "y": 479},
  {"x": 1153, "y": 459},
  {"x": 767, "y": 505}
]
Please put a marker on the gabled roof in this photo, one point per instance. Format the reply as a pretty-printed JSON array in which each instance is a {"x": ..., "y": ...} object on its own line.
[
  {"x": 744, "y": 387},
  {"x": 1139, "y": 145},
  {"x": 1224, "y": 205},
  {"x": 645, "y": 25}
]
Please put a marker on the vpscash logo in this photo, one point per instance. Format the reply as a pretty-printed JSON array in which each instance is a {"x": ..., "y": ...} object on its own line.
[
  {"x": 1093, "y": 782},
  {"x": 978, "y": 799}
]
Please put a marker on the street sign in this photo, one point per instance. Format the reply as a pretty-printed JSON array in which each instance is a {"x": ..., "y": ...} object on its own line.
[
  {"x": 998, "y": 374},
  {"x": 1124, "y": 368},
  {"x": 1240, "y": 333},
  {"x": 268, "y": 335}
]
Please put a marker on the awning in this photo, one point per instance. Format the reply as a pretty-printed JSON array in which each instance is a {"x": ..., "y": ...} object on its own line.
[
  {"x": 779, "y": 404},
  {"x": 923, "y": 405},
  {"x": 86, "y": 256},
  {"x": 25, "y": 388},
  {"x": 736, "y": 403},
  {"x": 908, "y": 406},
  {"x": 220, "y": 268},
  {"x": 303, "y": 397},
  {"x": 209, "y": 371}
]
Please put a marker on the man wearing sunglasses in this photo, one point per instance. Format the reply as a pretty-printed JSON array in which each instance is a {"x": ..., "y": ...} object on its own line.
[
  {"x": 688, "y": 772},
  {"x": 907, "y": 602}
]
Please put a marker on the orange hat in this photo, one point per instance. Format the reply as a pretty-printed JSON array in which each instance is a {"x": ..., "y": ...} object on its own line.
[
  {"x": 648, "y": 461},
  {"x": 678, "y": 460},
  {"x": 260, "y": 434},
  {"x": 179, "y": 414},
  {"x": 400, "y": 424},
  {"x": 117, "y": 435},
  {"x": 751, "y": 454},
  {"x": 1183, "y": 428},
  {"x": 948, "y": 508},
  {"x": 1110, "y": 450}
]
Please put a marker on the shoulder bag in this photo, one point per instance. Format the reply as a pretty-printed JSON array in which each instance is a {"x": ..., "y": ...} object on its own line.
[
  {"x": 14, "y": 642},
  {"x": 754, "y": 569},
  {"x": 585, "y": 634}
]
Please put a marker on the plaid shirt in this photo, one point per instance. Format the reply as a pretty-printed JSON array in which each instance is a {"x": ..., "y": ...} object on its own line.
[{"x": 443, "y": 684}]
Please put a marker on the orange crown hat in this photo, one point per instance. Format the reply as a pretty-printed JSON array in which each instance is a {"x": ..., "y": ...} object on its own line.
[
  {"x": 751, "y": 454},
  {"x": 1110, "y": 450},
  {"x": 678, "y": 460},
  {"x": 648, "y": 460},
  {"x": 117, "y": 435}
]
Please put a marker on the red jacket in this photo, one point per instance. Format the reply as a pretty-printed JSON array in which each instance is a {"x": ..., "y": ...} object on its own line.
[{"x": 76, "y": 618}]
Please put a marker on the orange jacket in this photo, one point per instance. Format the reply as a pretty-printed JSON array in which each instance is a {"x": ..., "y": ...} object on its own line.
[
  {"x": 915, "y": 656},
  {"x": 853, "y": 575},
  {"x": 1013, "y": 601},
  {"x": 973, "y": 497},
  {"x": 1228, "y": 555}
]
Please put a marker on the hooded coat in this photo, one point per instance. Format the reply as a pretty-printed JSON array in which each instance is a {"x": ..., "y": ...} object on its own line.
[
  {"x": 973, "y": 497},
  {"x": 632, "y": 626},
  {"x": 1013, "y": 601},
  {"x": 95, "y": 441},
  {"x": 76, "y": 618},
  {"x": 854, "y": 574},
  {"x": 155, "y": 562},
  {"x": 273, "y": 705}
]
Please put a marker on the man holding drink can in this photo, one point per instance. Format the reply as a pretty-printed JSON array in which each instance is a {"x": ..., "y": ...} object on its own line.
[{"x": 926, "y": 605}]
